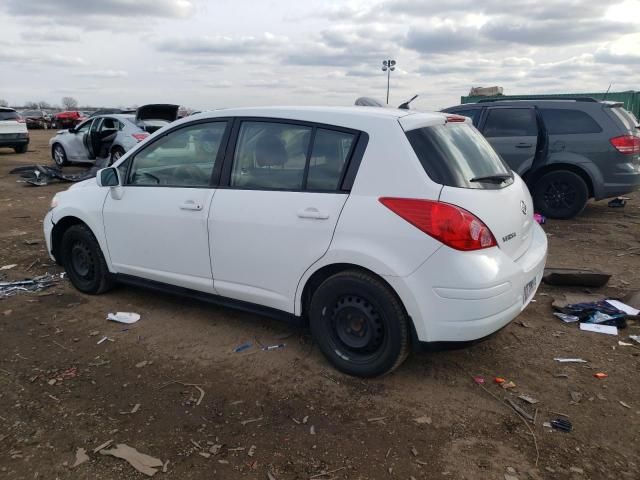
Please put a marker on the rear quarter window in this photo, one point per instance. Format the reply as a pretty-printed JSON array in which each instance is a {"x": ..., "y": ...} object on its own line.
[
  {"x": 454, "y": 154},
  {"x": 510, "y": 122},
  {"x": 567, "y": 122}
]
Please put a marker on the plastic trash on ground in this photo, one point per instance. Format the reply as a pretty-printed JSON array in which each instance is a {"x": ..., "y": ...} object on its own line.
[{"x": 123, "y": 317}]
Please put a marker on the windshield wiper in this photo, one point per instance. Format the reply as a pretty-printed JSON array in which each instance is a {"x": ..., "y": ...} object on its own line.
[{"x": 496, "y": 178}]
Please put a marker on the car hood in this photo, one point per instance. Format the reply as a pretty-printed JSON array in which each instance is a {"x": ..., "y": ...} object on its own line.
[
  {"x": 90, "y": 182},
  {"x": 158, "y": 111}
]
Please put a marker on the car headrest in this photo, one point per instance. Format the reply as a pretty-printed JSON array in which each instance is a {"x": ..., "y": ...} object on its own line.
[{"x": 270, "y": 151}]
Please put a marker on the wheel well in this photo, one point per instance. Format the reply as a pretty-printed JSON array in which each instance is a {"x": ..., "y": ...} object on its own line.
[
  {"x": 532, "y": 177},
  {"x": 327, "y": 271},
  {"x": 57, "y": 233}
]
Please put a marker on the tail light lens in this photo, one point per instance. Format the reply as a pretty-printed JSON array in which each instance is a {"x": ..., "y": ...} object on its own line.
[
  {"x": 627, "y": 144},
  {"x": 140, "y": 136},
  {"x": 452, "y": 225},
  {"x": 455, "y": 118}
]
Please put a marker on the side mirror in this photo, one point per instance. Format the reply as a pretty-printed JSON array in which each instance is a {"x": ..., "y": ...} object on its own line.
[{"x": 108, "y": 177}]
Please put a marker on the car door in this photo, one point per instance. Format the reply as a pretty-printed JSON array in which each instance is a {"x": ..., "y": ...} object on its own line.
[
  {"x": 75, "y": 141},
  {"x": 277, "y": 211},
  {"x": 513, "y": 133},
  {"x": 156, "y": 228}
]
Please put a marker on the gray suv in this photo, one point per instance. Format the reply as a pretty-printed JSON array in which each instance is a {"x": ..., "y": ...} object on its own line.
[{"x": 566, "y": 150}]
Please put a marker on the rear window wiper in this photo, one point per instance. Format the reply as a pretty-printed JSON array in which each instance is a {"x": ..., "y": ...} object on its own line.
[{"x": 497, "y": 178}]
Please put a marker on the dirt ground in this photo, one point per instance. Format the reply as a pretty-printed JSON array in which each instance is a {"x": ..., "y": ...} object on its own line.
[{"x": 286, "y": 414}]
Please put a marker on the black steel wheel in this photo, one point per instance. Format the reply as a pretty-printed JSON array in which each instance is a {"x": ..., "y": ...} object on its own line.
[
  {"x": 83, "y": 260},
  {"x": 359, "y": 324},
  {"x": 560, "y": 194}
]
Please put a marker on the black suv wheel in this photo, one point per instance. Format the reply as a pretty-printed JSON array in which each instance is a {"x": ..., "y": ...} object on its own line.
[
  {"x": 359, "y": 324},
  {"x": 560, "y": 194},
  {"x": 83, "y": 261}
]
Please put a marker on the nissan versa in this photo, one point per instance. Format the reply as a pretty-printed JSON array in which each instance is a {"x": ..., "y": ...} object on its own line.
[{"x": 382, "y": 228}]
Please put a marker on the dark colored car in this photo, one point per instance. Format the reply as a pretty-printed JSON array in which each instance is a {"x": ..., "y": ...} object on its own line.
[
  {"x": 67, "y": 119},
  {"x": 566, "y": 150},
  {"x": 37, "y": 119}
]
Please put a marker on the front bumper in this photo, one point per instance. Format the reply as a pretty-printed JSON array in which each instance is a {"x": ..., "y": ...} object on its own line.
[
  {"x": 48, "y": 225},
  {"x": 463, "y": 296}
]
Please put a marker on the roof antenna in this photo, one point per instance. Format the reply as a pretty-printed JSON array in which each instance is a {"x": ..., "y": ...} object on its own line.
[
  {"x": 606, "y": 93},
  {"x": 405, "y": 105}
]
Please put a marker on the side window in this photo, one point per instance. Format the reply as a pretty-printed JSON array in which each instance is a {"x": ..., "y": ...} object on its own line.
[
  {"x": 183, "y": 158},
  {"x": 510, "y": 122},
  {"x": 330, "y": 152},
  {"x": 270, "y": 155},
  {"x": 560, "y": 121},
  {"x": 85, "y": 126}
]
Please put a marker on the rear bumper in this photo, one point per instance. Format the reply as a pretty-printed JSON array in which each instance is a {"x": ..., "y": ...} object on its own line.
[
  {"x": 13, "y": 142},
  {"x": 624, "y": 179},
  {"x": 463, "y": 296}
]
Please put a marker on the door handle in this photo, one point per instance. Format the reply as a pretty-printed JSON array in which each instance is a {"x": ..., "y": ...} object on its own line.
[
  {"x": 313, "y": 213},
  {"x": 191, "y": 205},
  {"x": 524, "y": 145}
]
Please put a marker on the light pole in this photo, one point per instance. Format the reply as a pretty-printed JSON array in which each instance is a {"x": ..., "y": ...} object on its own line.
[{"x": 388, "y": 66}]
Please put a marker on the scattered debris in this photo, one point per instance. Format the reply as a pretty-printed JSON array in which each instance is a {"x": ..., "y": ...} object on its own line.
[
  {"x": 600, "y": 375},
  {"x": 8, "y": 267},
  {"x": 566, "y": 318},
  {"x": 499, "y": 380},
  {"x": 541, "y": 219},
  {"x": 629, "y": 310},
  {"x": 520, "y": 410},
  {"x": 570, "y": 360},
  {"x": 597, "y": 328},
  {"x": 635, "y": 338},
  {"x": 36, "y": 284},
  {"x": 479, "y": 380},
  {"x": 625, "y": 405},
  {"x": 270, "y": 476},
  {"x": 508, "y": 385},
  {"x": 215, "y": 449},
  {"x": 414, "y": 451},
  {"x": 140, "y": 461},
  {"x": 618, "y": 202},
  {"x": 305, "y": 419},
  {"x": 251, "y": 420},
  {"x": 312, "y": 430},
  {"x": 528, "y": 399},
  {"x": 123, "y": 317},
  {"x": 142, "y": 364},
  {"x": 135, "y": 408},
  {"x": 376, "y": 419},
  {"x": 81, "y": 457},
  {"x": 204, "y": 454},
  {"x": 243, "y": 347},
  {"x": 424, "y": 420},
  {"x": 102, "y": 340},
  {"x": 252, "y": 451},
  {"x": 562, "y": 424},
  {"x": 102, "y": 446},
  {"x": 578, "y": 277},
  {"x": 273, "y": 347},
  {"x": 624, "y": 344},
  {"x": 575, "y": 396}
]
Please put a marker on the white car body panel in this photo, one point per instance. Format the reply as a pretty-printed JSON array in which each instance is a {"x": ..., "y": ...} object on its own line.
[{"x": 250, "y": 245}]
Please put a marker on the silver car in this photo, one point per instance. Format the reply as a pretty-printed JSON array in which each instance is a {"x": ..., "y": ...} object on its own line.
[{"x": 109, "y": 136}]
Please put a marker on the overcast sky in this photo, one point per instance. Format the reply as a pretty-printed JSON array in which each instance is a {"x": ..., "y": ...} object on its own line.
[{"x": 207, "y": 54}]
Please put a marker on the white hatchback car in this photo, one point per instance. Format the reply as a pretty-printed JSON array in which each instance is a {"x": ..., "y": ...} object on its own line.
[{"x": 382, "y": 228}]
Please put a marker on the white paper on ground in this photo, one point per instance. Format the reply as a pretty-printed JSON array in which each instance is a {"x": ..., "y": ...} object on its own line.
[
  {"x": 629, "y": 310},
  {"x": 570, "y": 360},
  {"x": 123, "y": 317},
  {"x": 595, "y": 327},
  {"x": 8, "y": 267}
]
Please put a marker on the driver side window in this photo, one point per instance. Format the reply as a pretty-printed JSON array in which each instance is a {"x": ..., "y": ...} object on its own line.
[{"x": 183, "y": 158}]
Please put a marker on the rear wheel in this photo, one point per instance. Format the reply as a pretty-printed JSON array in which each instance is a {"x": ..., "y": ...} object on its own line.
[
  {"x": 359, "y": 324},
  {"x": 560, "y": 194},
  {"x": 21, "y": 149},
  {"x": 84, "y": 262},
  {"x": 59, "y": 155}
]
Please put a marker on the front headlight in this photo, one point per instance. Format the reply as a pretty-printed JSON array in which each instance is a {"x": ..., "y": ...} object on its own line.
[{"x": 54, "y": 202}]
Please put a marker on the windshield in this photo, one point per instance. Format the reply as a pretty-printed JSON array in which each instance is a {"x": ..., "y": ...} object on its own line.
[
  {"x": 8, "y": 115},
  {"x": 457, "y": 155}
]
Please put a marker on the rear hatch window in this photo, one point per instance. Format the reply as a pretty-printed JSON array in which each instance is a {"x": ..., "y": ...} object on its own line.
[
  {"x": 457, "y": 155},
  {"x": 8, "y": 115}
]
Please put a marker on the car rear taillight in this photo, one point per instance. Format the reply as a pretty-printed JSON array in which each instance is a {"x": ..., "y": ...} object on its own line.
[
  {"x": 140, "y": 136},
  {"x": 20, "y": 120},
  {"x": 455, "y": 118},
  {"x": 627, "y": 144},
  {"x": 452, "y": 225}
]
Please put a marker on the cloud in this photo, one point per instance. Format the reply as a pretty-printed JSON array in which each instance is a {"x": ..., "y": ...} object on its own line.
[
  {"x": 103, "y": 74},
  {"x": 220, "y": 45},
  {"x": 49, "y": 35}
]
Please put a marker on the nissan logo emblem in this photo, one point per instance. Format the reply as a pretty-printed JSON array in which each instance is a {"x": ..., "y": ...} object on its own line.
[{"x": 523, "y": 207}]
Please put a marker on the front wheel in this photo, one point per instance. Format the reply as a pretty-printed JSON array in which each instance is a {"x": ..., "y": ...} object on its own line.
[
  {"x": 359, "y": 324},
  {"x": 560, "y": 194},
  {"x": 84, "y": 262},
  {"x": 59, "y": 155}
]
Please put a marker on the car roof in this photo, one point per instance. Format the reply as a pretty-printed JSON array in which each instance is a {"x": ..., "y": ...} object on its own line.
[
  {"x": 531, "y": 101},
  {"x": 7, "y": 109},
  {"x": 351, "y": 116}
]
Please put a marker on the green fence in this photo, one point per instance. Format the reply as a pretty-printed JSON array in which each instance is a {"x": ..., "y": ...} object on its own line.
[{"x": 630, "y": 99}]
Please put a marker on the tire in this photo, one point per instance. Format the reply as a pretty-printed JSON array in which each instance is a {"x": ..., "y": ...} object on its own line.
[
  {"x": 560, "y": 194},
  {"x": 116, "y": 153},
  {"x": 21, "y": 149},
  {"x": 373, "y": 343},
  {"x": 84, "y": 262},
  {"x": 59, "y": 155}
]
